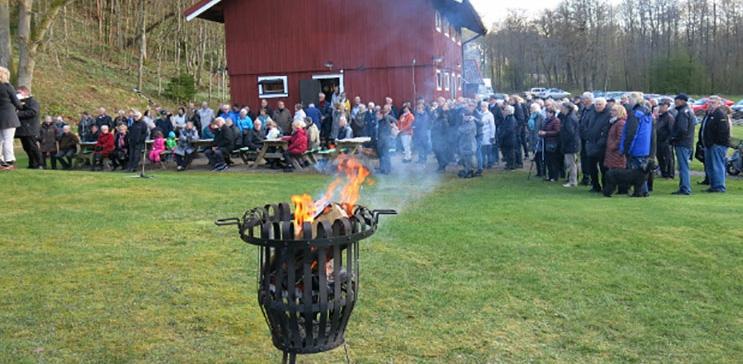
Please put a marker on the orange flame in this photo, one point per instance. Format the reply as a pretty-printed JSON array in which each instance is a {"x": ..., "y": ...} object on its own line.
[
  {"x": 304, "y": 211},
  {"x": 352, "y": 175}
]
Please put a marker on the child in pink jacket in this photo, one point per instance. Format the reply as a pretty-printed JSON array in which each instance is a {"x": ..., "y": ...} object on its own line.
[{"x": 158, "y": 146}]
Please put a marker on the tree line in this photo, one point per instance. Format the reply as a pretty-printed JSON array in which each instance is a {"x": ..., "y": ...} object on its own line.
[
  {"x": 664, "y": 46},
  {"x": 149, "y": 39}
]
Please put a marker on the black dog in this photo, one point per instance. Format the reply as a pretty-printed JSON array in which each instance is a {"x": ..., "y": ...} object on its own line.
[{"x": 623, "y": 178}]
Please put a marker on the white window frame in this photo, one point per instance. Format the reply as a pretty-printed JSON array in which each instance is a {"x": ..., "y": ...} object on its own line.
[
  {"x": 339, "y": 76},
  {"x": 438, "y": 21},
  {"x": 446, "y": 27},
  {"x": 285, "y": 79},
  {"x": 459, "y": 36},
  {"x": 459, "y": 82},
  {"x": 447, "y": 81},
  {"x": 439, "y": 81}
]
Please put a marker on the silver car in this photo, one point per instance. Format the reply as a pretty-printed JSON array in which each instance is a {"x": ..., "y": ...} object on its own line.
[{"x": 554, "y": 93}]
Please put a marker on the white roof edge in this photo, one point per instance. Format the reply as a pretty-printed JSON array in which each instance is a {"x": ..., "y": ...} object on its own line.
[{"x": 202, "y": 9}]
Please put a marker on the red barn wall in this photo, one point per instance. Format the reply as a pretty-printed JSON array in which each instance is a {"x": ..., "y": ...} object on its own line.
[{"x": 373, "y": 43}]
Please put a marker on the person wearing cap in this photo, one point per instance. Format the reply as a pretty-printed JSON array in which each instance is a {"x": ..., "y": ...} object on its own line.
[
  {"x": 137, "y": 137},
  {"x": 663, "y": 133},
  {"x": 164, "y": 123},
  {"x": 682, "y": 140},
  {"x": 715, "y": 135}
]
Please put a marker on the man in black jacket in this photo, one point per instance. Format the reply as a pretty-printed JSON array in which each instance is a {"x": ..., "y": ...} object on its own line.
[
  {"x": 586, "y": 115},
  {"x": 716, "y": 140},
  {"x": 224, "y": 144},
  {"x": 28, "y": 133},
  {"x": 595, "y": 135},
  {"x": 103, "y": 119},
  {"x": 682, "y": 139},
  {"x": 663, "y": 133},
  {"x": 137, "y": 136}
]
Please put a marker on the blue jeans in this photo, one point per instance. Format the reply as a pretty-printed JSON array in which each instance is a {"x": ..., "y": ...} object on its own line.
[
  {"x": 480, "y": 162},
  {"x": 494, "y": 158},
  {"x": 683, "y": 154},
  {"x": 385, "y": 162},
  {"x": 638, "y": 163},
  {"x": 715, "y": 158}
]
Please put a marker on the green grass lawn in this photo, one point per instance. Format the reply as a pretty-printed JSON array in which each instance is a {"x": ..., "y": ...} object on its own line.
[{"x": 102, "y": 268}]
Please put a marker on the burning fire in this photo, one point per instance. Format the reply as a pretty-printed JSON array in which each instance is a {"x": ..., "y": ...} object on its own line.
[
  {"x": 351, "y": 176},
  {"x": 304, "y": 210}
]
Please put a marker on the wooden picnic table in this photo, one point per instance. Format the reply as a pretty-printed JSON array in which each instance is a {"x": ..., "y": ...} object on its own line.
[
  {"x": 351, "y": 146},
  {"x": 280, "y": 146},
  {"x": 195, "y": 143}
]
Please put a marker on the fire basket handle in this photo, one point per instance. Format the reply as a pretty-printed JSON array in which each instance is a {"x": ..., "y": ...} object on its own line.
[
  {"x": 376, "y": 213},
  {"x": 228, "y": 222}
]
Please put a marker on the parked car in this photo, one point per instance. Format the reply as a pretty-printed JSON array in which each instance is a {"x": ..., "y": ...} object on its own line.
[
  {"x": 700, "y": 106},
  {"x": 536, "y": 91},
  {"x": 738, "y": 110},
  {"x": 554, "y": 93},
  {"x": 616, "y": 95},
  {"x": 738, "y": 106}
]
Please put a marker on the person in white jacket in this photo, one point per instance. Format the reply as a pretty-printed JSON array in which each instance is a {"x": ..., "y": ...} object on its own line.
[{"x": 488, "y": 136}]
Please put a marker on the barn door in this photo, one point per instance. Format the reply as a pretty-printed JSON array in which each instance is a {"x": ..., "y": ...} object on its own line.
[{"x": 308, "y": 91}]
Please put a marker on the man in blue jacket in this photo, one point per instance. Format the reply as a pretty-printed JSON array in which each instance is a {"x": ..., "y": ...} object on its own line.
[{"x": 638, "y": 138}]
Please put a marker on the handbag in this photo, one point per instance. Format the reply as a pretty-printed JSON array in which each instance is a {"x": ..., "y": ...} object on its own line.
[
  {"x": 550, "y": 147},
  {"x": 394, "y": 130},
  {"x": 699, "y": 152}
]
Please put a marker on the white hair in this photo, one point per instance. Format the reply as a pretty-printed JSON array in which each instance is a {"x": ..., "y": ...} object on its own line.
[
  {"x": 509, "y": 110},
  {"x": 535, "y": 107},
  {"x": 299, "y": 124},
  {"x": 637, "y": 98},
  {"x": 599, "y": 100},
  {"x": 587, "y": 95}
]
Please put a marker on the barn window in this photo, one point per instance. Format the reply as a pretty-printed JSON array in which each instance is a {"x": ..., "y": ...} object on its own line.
[
  {"x": 439, "y": 81},
  {"x": 438, "y": 21},
  {"x": 447, "y": 81},
  {"x": 273, "y": 86}
]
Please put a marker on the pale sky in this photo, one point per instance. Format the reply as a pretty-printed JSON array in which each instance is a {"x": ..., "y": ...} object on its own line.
[{"x": 495, "y": 10}]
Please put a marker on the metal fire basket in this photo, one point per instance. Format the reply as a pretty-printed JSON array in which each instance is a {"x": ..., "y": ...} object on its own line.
[{"x": 308, "y": 281}]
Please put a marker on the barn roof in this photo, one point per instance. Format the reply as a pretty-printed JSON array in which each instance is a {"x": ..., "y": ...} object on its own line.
[
  {"x": 205, "y": 9},
  {"x": 459, "y": 12}
]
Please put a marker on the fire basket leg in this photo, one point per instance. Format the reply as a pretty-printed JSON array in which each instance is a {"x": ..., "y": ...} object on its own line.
[
  {"x": 348, "y": 355},
  {"x": 289, "y": 358}
]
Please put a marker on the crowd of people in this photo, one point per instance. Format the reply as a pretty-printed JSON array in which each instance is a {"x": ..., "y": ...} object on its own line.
[{"x": 563, "y": 138}]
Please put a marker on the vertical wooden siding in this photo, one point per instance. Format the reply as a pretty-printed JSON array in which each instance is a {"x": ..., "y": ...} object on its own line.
[{"x": 373, "y": 42}]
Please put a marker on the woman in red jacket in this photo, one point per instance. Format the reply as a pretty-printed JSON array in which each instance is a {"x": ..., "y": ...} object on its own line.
[
  {"x": 613, "y": 158},
  {"x": 103, "y": 148},
  {"x": 297, "y": 144}
]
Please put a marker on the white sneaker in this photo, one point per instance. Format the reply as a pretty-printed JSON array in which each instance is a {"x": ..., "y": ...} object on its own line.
[{"x": 568, "y": 185}]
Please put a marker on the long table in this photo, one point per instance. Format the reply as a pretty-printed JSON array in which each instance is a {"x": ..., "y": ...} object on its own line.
[{"x": 275, "y": 154}]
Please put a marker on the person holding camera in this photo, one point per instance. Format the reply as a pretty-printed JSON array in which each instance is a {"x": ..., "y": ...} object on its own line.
[{"x": 8, "y": 120}]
